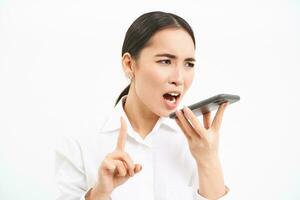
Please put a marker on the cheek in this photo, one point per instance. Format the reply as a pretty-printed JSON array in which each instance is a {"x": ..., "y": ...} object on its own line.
[
  {"x": 188, "y": 80},
  {"x": 150, "y": 81},
  {"x": 153, "y": 78}
]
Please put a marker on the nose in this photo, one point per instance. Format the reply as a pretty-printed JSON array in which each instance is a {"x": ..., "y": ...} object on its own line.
[{"x": 176, "y": 77}]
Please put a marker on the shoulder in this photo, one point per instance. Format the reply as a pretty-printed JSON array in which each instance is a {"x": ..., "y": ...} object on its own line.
[
  {"x": 68, "y": 148},
  {"x": 85, "y": 141},
  {"x": 82, "y": 150}
]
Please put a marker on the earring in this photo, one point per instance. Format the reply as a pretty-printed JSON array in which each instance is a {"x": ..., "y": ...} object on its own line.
[{"x": 129, "y": 77}]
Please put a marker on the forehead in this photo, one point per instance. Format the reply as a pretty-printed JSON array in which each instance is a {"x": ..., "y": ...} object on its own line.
[{"x": 172, "y": 40}]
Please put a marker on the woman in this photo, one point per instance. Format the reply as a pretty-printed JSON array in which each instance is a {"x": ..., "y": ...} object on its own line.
[{"x": 140, "y": 153}]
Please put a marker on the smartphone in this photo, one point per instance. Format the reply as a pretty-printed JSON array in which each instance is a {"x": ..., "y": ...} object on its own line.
[{"x": 210, "y": 104}]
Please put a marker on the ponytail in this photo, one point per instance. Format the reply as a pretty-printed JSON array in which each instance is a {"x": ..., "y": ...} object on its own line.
[{"x": 123, "y": 93}]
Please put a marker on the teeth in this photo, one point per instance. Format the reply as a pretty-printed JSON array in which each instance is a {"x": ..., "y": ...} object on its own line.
[{"x": 174, "y": 94}]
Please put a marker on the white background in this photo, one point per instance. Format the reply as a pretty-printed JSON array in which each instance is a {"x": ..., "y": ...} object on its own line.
[{"x": 60, "y": 74}]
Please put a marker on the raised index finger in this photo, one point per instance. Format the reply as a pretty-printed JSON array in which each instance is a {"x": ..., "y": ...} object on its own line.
[{"x": 122, "y": 135}]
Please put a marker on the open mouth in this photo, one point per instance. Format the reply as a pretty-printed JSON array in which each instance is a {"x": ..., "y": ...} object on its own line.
[{"x": 171, "y": 98}]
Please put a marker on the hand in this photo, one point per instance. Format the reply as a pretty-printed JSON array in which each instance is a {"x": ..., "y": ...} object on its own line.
[
  {"x": 117, "y": 167},
  {"x": 203, "y": 141}
]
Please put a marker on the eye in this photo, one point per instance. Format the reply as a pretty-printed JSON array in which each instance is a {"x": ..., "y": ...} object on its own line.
[
  {"x": 164, "y": 61},
  {"x": 189, "y": 64}
]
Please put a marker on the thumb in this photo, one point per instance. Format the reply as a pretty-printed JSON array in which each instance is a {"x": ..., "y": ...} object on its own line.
[{"x": 137, "y": 168}]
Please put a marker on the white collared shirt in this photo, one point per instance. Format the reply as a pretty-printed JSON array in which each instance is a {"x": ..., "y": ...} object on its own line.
[{"x": 169, "y": 171}]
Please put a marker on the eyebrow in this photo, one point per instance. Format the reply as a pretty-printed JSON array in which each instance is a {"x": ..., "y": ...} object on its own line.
[{"x": 173, "y": 56}]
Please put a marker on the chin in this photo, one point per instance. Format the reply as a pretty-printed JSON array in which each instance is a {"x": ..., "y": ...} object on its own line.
[
  {"x": 165, "y": 113},
  {"x": 162, "y": 111}
]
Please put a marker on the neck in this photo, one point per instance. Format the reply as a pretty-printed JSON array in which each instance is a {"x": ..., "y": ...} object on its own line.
[{"x": 140, "y": 117}]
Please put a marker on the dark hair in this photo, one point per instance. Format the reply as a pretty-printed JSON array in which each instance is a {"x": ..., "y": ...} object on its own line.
[{"x": 143, "y": 28}]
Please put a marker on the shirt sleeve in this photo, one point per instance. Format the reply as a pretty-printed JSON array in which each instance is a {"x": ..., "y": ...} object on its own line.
[
  {"x": 69, "y": 174},
  {"x": 225, "y": 196}
]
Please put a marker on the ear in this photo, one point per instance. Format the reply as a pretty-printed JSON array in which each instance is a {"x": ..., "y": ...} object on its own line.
[{"x": 128, "y": 64}]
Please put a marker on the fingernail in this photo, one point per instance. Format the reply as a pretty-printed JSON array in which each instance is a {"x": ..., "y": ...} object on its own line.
[
  {"x": 185, "y": 111},
  {"x": 184, "y": 108}
]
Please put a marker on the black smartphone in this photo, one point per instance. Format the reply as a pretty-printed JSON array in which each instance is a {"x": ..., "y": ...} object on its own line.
[{"x": 210, "y": 104}]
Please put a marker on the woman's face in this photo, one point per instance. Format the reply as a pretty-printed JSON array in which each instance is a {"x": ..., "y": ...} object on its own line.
[{"x": 165, "y": 66}]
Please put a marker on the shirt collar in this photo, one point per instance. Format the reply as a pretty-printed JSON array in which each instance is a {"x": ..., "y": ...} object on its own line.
[{"x": 113, "y": 121}]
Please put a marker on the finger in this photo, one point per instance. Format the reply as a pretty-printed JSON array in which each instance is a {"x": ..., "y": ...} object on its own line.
[
  {"x": 122, "y": 135},
  {"x": 185, "y": 126},
  {"x": 181, "y": 127},
  {"x": 216, "y": 124},
  {"x": 194, "y": 121},
  {"x": 206, "y": 120},
  {"x": 123, "y": 156},
  {"x": 128, "y": 161},
  {"x": 137, "y": 168},
  {"x": 121, "y": 169},
  {"x": 109, "y": 165}
]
